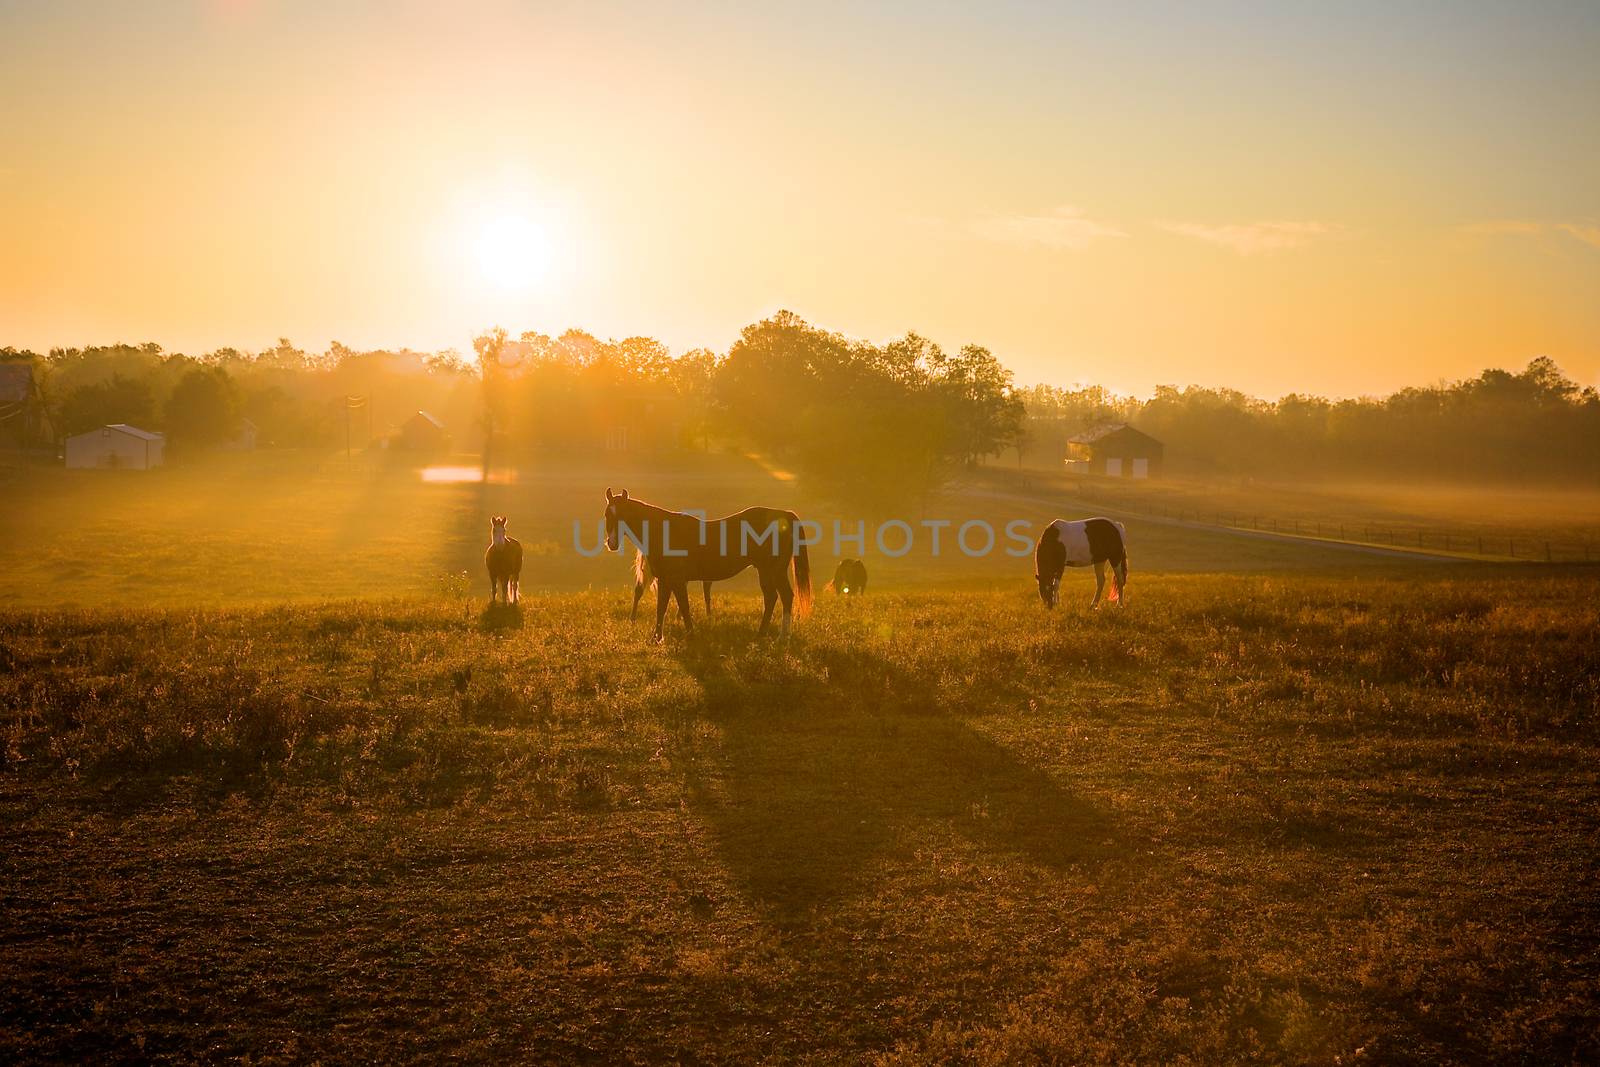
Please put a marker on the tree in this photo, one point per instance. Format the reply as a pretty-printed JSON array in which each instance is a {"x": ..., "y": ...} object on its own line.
[
  {"x": 102, "y": 403},
  {"x": 203, "y": 410}
]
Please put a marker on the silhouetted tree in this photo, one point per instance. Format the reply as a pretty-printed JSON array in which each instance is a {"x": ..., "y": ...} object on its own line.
[
  {"x": 101, "y": 403},
  {"x": 203, "y": 410}
]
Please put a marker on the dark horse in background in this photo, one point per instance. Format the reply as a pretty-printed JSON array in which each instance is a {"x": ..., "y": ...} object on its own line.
[
  {"x": 849, "y": 578},
  {"x": 1079, "y": 543},
  {"x": 683, "y": 548}
]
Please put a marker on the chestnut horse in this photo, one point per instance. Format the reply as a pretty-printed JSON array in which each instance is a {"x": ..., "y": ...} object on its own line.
[
  {"x": 504, "y": 560},
  {"x": 644, "y": 578},
  {"x": 683, "y": 548}
]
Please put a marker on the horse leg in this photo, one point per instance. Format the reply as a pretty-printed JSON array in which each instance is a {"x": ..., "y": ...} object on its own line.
[
  {"x": 769, "y": 593},
  {"x": 638, "y": 595},
  {"x": 1099, "y": 582},
  {"x": 681, "y": 592},
  {"x": 708, "y": 596},
  {"x": 787, "y": 593},
  {"x": 663, "y": 595},
  {"x": 514, "y": 590}
]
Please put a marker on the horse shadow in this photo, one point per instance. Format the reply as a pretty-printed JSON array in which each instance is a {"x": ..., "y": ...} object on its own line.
[
  {"x": 499, "y": 617},
  {"x": 838, "y": 768}
]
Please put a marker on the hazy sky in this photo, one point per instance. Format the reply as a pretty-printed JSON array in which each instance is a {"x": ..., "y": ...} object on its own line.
[{"x": 1334, "y": 197}]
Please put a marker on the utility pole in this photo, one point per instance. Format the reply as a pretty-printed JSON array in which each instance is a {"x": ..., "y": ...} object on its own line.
[{"x": 351, "y": 402}]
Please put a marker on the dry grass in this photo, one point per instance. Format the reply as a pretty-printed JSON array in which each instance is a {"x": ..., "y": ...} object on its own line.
[
  {"x": 1496, "y": 520},
  {"x": 1278, "y": 818},
  {"x": 270, "y": 528}
]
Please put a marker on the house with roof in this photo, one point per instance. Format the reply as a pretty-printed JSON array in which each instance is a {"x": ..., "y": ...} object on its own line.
[
  {"x": 117, "y": 446},
  {"x": 22, "y": 421},
  {"x": 1115, "y": 450},
  {"x": 422, "y": 433}
]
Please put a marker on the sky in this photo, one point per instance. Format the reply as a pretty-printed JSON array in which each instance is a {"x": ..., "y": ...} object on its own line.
[{"x": 1341, "y": 199}]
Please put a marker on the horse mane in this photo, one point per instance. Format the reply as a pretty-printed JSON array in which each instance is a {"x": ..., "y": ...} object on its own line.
[{"x": 641, "y": 568}]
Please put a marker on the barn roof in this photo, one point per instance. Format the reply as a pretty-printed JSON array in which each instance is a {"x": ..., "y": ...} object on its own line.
[
  {"x": 1104, "y": 430},
  {"x": 133, "y": 431}
]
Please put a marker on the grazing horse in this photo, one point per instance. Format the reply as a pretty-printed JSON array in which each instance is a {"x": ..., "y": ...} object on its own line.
[
  {"x": 849, "y": 577},
  {"x": 1067, "y": 543},
  {"x": 504, "y": 560},
  {"x": 644, "y": 578},
  {"x": 684, "y": 548}
]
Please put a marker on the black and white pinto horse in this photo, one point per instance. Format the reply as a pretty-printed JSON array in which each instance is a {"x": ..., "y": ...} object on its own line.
[
  {"x": 644, "y": 578},
  {"x": 1080, "y": 543},
  {"x": 683, "y": 548}
]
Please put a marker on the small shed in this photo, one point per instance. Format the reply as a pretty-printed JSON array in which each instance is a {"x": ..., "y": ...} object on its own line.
[
  {"x": 1115, "y": 450},
  {"x": 423, "y": 433},
  {"x": 243, "y": 439},
  {"x": 116, "y": 447}
]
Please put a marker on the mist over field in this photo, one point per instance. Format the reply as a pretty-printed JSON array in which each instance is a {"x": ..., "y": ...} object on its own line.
[{"x": 895, "y": 534}]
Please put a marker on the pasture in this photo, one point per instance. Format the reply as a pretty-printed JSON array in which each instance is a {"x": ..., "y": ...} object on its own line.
[
  {"x": 272, "y": 527},
  {"x": 275, "y": 786}
]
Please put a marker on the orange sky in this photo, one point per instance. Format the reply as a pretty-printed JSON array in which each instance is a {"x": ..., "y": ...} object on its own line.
[{"x": 1274, "y": 197}]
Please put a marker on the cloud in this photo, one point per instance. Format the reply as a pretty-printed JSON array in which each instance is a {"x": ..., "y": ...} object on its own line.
[
  {"x": 1253, "y": 238},
  {"x": 1587, "y": 232},
  {"x": 1504, "y": 227},
  {"x": 1065, "y": 227}
]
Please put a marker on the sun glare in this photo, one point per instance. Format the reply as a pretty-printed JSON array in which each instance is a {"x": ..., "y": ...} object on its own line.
[{"x": 513, "y": 253}]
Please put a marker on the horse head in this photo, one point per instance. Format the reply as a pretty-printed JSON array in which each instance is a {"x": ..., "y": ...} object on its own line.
[
  {"x": 613, "y": 500},
  {"x": 1049, "y": 588}
]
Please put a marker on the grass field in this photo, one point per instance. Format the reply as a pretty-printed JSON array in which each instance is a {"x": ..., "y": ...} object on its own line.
[
  {"x": 1530, "y": 522},
  {"x": 1292, "y": 804},
  {"x": 272, "y": 527}
]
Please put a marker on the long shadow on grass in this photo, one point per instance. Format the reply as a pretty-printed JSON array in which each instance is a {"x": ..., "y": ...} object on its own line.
[{"x": 829, "y": 782}]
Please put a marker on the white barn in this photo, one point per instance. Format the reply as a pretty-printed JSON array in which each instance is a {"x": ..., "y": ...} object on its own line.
[{"x": 117, "y": 446}]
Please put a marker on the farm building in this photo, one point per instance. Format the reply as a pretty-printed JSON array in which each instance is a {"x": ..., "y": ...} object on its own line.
[
  {"x": 638, "y": 422},
  {"x": 1115, "y": 450},
  {"x": 22, "y": 422},
  {"x": 422, "y": 433},
  {"x": 118, "y": 446},
  {"x": 243, "y": 439}
]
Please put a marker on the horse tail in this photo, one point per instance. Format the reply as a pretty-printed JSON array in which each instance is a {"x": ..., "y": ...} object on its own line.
[
  {"x": 801, "y": 563},
  {"x": 1122, "y": 564},
  {"x": 641, "y": 569}
]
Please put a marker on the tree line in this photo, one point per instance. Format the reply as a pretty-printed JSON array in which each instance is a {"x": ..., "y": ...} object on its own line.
[
  {"x": 856, "y": 415},
  {"x": 1530, "y": 426}
]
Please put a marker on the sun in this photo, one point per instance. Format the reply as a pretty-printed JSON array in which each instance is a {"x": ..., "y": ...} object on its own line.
[{"x": 513, "y": 253}]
